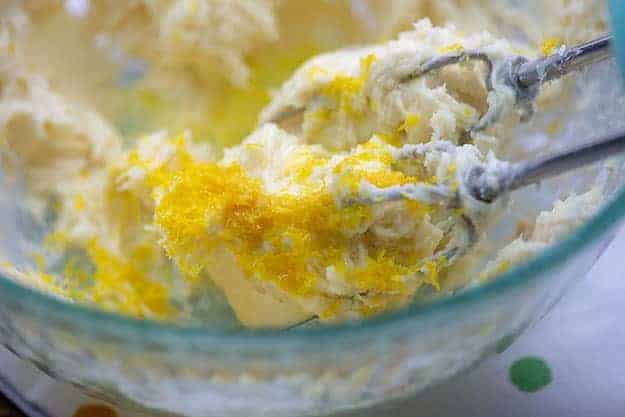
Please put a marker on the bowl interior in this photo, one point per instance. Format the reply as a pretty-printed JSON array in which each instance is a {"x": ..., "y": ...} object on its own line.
[{"x": 121, "y": 87}]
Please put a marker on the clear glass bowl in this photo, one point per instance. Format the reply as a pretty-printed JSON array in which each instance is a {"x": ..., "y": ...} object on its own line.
[{"x": 200, "y": 372}]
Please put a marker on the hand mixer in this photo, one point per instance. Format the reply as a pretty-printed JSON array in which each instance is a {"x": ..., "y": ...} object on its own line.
[
  {"x": 483, "y": 184},
  {"x": 523, "y": 76}
]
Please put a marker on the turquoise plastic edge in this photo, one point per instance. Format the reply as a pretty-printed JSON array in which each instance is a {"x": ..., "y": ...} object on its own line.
[{"x": 617, "y": 16}]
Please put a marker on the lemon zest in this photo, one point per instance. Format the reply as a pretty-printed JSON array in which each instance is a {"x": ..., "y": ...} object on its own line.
[
  {"x": 412, "y": 120},
  {"x": 549, "y": 46},
  {"x": 123, "y": 285},
  {"x": 345, "y": 89},
  {"x": 453, "y": 47},
  {"x": 79, "y": 203},
  {"x": 286, "y": 239}
]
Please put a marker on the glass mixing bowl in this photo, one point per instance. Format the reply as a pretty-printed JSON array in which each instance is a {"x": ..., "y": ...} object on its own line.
[{"x": 206, "y": 371}]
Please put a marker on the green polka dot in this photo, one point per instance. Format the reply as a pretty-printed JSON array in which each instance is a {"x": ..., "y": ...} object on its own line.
[{"x": 530, "y": 374}]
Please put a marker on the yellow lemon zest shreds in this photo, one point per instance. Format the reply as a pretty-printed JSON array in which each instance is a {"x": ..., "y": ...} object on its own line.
[
  {"x": 382, "y": 274},
  {"x": 366, "y": 64},
  {"x": 115, "y": 282},
  {"x": 47, "y": 282},
  {"x": 371, "y": 162},
  {"x": 209, "y": 205},
  {"x": 38, "y": 279},
  {"x": 283, "y": 238},
  {"x": 79, "y": 203},
  {"x": 124, "y": 286},
  {"x": 412, "y": 120},
  {"x": 550, "y": 45},
  {"x": 345, "y": 89},
  {"x": 454, "y": 47},
  {"x": 468, "y": 112},
  {"x": 303, "y": 163},
  {"x": 159, "y": 175},
  {"x": 51, "y": 283},
  {"x": 332, "y": 309},
  {"x": 433, "y": 268}
]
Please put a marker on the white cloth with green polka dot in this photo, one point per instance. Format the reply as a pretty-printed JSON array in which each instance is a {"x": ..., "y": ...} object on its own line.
[{"x": 581, "y": 342}]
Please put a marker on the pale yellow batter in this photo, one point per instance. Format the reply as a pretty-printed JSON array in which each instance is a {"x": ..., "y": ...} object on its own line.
[{"x": 277, "y": 222}]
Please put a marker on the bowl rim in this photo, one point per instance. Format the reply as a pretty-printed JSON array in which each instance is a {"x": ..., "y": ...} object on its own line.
[{"x": 198, "y": 336}]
